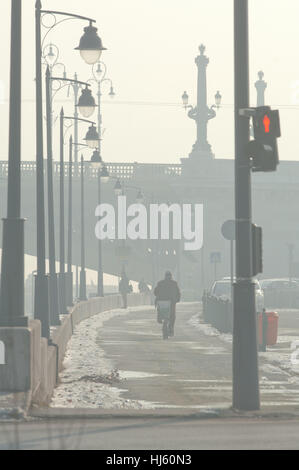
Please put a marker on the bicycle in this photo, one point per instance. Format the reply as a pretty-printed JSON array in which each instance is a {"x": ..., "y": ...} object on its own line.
[{"x": 164, "y": 311}]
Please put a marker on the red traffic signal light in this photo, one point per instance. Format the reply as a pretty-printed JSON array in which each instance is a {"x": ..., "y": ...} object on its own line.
[
  {"x": 266, "y": 123},
  {"x": 263, "y": 150}
]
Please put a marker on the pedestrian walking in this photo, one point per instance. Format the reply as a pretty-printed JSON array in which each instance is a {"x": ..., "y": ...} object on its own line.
[{"x": 125, "y": 288}]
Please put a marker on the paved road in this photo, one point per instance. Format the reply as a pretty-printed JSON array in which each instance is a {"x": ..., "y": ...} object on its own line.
[{"x": 171, "y": 434}]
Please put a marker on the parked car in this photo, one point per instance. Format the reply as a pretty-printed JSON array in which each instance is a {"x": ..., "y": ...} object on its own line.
[
  {"x": 279, "y": 284},
  {"x": 222, "y": 290},
  {"x": 281, "y": 293}
]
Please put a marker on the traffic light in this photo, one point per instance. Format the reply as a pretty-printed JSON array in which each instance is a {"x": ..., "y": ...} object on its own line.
[{"x": 263, "y": 149}]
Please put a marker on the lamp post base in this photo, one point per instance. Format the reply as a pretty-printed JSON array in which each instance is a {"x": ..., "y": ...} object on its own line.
[
  {"x": 69, "y": 289},
  {"x": 54, "y": 300},
  {"x": 83, "y": 295},
  {"x": 12, "y": 281},
  {"x": 62, "y": 293}
]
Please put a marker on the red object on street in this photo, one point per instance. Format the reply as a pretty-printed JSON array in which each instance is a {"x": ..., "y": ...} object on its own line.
[{"x": 272, "y": 328}]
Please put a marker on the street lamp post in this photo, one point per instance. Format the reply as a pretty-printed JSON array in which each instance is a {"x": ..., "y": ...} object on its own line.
[
  {"x": 201, "y": 113},
  {"x": 82, "y": 293},
  {"x": 62, "y": 283},
  {"x": 99, "y": 77},
  {"x": 103, "y": 176},
  {"x": 53, "y": 282},
  {"x": 41, "y": 299},
  {"x": 92, "y": 139},
  {"x": 90, "y": 48},
  {"x": 69, "y": 290},
  {"x": 88, "y": 105},
  {"x": 245, "y": 355},
  {"x": 12, "y": 278}
]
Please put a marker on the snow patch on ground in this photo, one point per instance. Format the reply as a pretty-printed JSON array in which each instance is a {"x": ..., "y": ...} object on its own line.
[
  {"x": 86, "y": 366},
  {"x": 209, "y": 330},
  {"x": 279, "y": 361}
]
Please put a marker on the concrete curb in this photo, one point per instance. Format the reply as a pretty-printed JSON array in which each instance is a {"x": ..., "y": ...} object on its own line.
[{"x": 181, "y": 414}]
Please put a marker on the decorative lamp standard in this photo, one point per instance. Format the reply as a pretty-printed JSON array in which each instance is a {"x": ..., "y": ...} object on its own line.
[
  {"x": 100, "y": 77},
  {"x": 69, "y": 276},
  {"x": 201, "y": 113},
  {"x": 41, "y": 301},
  {"x": 82, "y": 293},
  {"x": 12, "y": 278},
  {"x": 53, "y": 286},
  {"x": 62, "y": 275},
  {"x": 103, "y": 176}
]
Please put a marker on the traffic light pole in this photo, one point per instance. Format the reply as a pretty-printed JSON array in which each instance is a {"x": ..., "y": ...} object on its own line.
[{"x": 245, "y": 355}]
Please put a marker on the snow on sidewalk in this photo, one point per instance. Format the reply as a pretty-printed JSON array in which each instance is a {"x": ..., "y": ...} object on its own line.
[
  {"x": 275, "y": 359},
  {"x": 88, "y": 376}
]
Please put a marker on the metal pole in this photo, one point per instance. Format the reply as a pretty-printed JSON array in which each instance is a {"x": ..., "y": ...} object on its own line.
[
  {"x": 76, "y": 123},
  {"x": 100, "y": 266},
  {"x": 12, "y": 278},
  {"x": 100, "y": 261},
  {"x": 53, "y": 282},
  {"x": 291, "y": 260},
  {"x": 82, "y": 272},
  {"x": 245, "y": 356},
  {"x": 70, "y": 229},
  {"x": 62, "y": 283},
  {"x": 41, "y": 301},
  {"x": 99, "y": 109},
  {"x": 77, "y": 281},
  {"x": 232, "y": 266}
]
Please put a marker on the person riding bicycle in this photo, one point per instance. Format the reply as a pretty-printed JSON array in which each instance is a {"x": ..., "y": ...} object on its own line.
[{"x": 168, "y": 289}]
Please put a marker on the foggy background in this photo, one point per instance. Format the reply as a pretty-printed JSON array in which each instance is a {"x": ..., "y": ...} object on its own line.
[{"x": 150, "y": 58}]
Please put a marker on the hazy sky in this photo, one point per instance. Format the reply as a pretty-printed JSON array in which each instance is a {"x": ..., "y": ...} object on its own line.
[{"x": 151, "y": 49}]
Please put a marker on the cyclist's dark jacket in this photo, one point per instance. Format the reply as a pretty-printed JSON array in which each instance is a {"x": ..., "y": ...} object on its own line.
[{"x": 168, "y": 289}]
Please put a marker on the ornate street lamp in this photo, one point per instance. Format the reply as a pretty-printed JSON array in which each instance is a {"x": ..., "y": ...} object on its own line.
[
  {"x": 140, "y": 197},
  {"x": 118, "y": 189},
  {"x": 92, "y": 137},
  {"x": 185, "y": 99},
  {"x": 112, "y": 92},
  {"x": 86, "y": 103},
  {"x": 96, "y": 160},
  {"x": 90, "y": 46},
  {"x": 105, "y": 174},
  {"x": 218, "y": 99}
]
